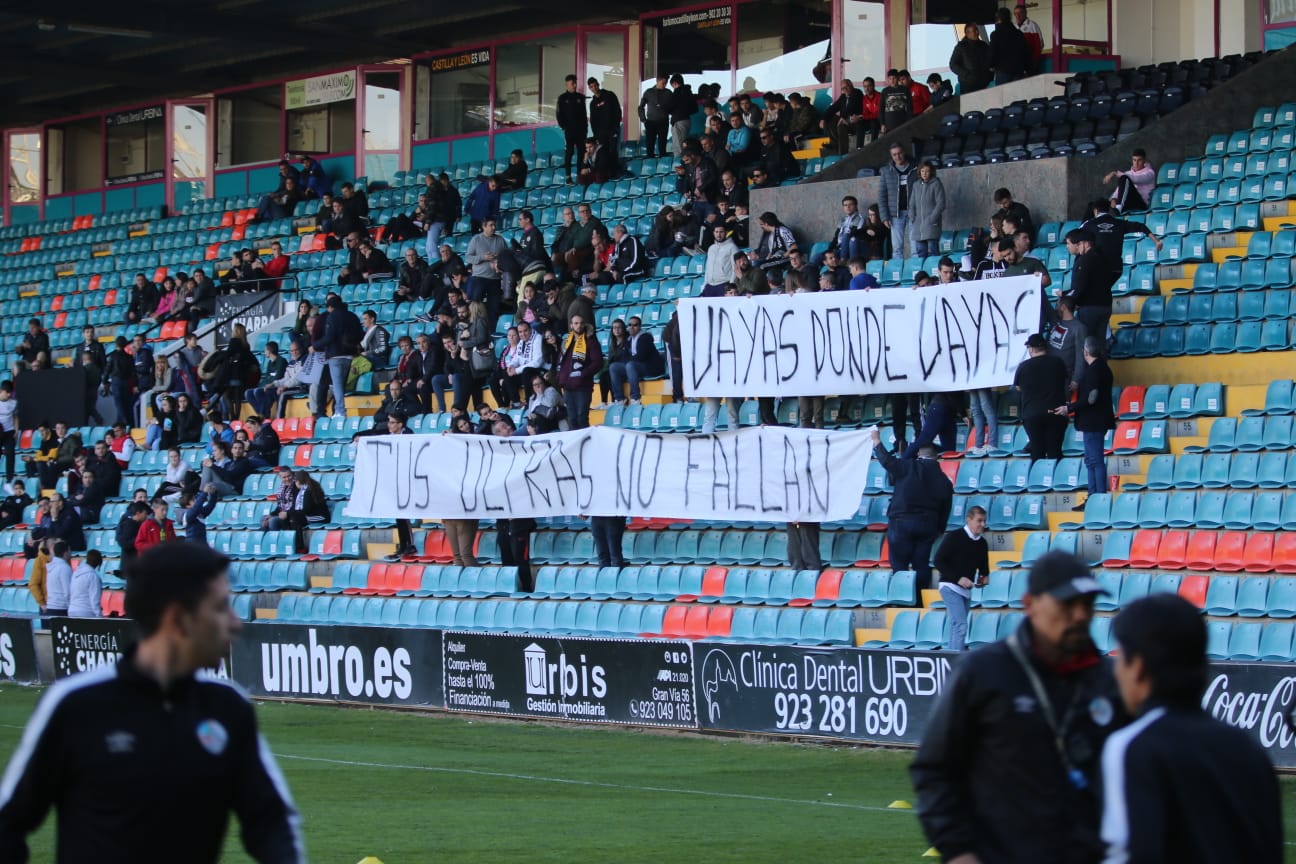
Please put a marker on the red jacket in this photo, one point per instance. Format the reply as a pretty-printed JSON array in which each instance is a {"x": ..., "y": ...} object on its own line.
[
  {"x": 872, "y": 106},
  {"x": 151, "y": 533},
  {"x": 921, "y": 97}
]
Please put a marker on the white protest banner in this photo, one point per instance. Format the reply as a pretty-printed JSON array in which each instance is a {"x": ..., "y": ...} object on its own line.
[
  {"x": 760, "y": 474},
  {"x": 964, "y": 336}
]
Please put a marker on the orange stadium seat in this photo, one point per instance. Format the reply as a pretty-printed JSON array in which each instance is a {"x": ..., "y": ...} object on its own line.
[
  {"x": 674, "y": 621},
  {"x": 1230, "y": 549},
  {"x": 56, "y": 304},
  {"x": 303, "y": 456},
  {"x": 1193, "y": 589},
  {"x": 1259, "y": 554},
  {"x": 695, "y": 623},
  {"x": 1144, "y": 550},
  {"x": 720, "y": 622}
]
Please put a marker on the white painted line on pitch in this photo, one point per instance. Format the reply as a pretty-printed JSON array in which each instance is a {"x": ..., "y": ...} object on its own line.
[{"x": 594, "y": 783}]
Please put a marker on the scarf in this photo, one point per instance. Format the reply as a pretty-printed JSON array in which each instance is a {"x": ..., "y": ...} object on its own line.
[{"x": 576, "y": 344}]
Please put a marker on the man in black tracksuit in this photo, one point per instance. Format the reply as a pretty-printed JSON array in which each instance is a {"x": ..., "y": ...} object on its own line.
[
  {"x": 1179, "y": 785},
  {"x": 145, "y": 759},
  {"x": 573, "y": 121},
  {"x": 1008, "y": 767},
  {"x": 920, "y": 507},
  {"x": 1109, "y": 235},
  {"x": 1091, "y": 283}
]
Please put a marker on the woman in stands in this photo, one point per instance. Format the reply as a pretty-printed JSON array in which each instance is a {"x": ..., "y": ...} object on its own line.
[
  {"x": 189, "y": 421},
  {"x": 166, "y": 300},
  {"x": 301, "y": 329},
  {"x": 531, "y": 307},
  {"x": 310, "y": 507},
  {"x": 163, "y": 430},
  {"x": 177, "y": 470},
  {"x": 926, "y": 210},
  {"x": 544, "y": 408},
  {"x": 163, "y": 380},
  {"x": 503, "y": 386},
  {"x": 602, "y": 258},
  {"x": 618, "y": 351},
  {"x": 874, "y": 235},
  {"x": 475, "y": 336}
]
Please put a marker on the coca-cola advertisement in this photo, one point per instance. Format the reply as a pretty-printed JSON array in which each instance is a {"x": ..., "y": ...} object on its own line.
[{"x": 1256, "y": 697}]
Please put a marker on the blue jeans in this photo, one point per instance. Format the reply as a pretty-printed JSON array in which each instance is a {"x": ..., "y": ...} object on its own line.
[
  {"x": 898, "y": 225},
  {"x": 440, "y": 384},
  {"x": 956, "y": 609},
  {"x": 434, "y": 232},
  {"x": 608, "y": 531},
  {"x": 578, "y": 407},
  {"x": 985, "y": 417},
  {"x": 911, "y": 543},
  {"x": 926, "y": 248},
  {"x": 339, "y": 368},
  {"x": 1095, "y": 459},
  {"x": 261, "y": 399},
  {"x": 630, "y": 372}
]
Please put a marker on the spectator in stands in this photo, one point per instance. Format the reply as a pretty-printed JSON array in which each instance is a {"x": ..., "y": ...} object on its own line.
[
  {"x": 483, "y": 203},
  {"x": 263, "y": 443},
  {"x": 1066, "y": 338},
  {"x": 441, "y": 275},
  {"x": 62, "y": 522},
  {"x": 1042, "y": 386},
  {"x": 740, "y": 143},
  {"x": 309, "y": 507},
  {"x": 375, "y": 346},
  {"x": 1093, "y": 413},
  {"x": 719, "y": 270},
  {"x": 609, "y": 532},
  {"x": 46, "y": 449},
  {"x": 996, "y": 266},
  {"x": 40, "y": 557},
  {"x": 201, "y": 303},
  {"x": 162, "y": 430},
  {"x": 157, "y": 528},
  {"x": 642, "y": 360},
  {"x": 919, "y": 509},
  {"x": 1013, "y": 210},
  {"x": 177, "y": 475},
  {"x": 1034, "y": 38},
  {"x": 343, "y": 333},
  {"x": 605, "y": 120},
  {"x": 838, "y": 274},
  {"x": 119, "y": 380},
  {"x": 776, "y": 245},
  {"x": 128, "y": 529},
  {"x": 544, "y": 409},
  {"x": 775, "y": 157},
  {"x": 355, "y": 201},
  {"x": 341, "y": 224},
  {"x": 580, "y": 361},
  {"x": 926, "y": 210},
  {"x": 85, "y": 599},
  {"x": 473, "y": 340},
  {"x": 598, "y": 164},
  {"x": 88, "y": 501},
  {"x": 277, "y": 518},
  {"x": 484, "y": 253},
  {"x": 530, "y": 250},
  {"x": 8, "y": 428},
  {"x": 279, "y": 379},
  {"x": 58, "y": 580},
  {"x": 168, "y": 296},
  {"x": 802, "y": 121},
  {"x": 280, "y": 204},
  {"x": 572, "y": 120},
  {"x": 697, "y": 182},
  {"x": 528, "y": 362},
  {"x": 1133, "y": 187},
  {"x": 941, "y": 90},
  {"x": 921, "y": 95},
  {"x": 192, "y": 509},
  {"x": 683, "y": 106},
  {"x": 325, "y": 212},
  {"x": 629, "y": 259},
  {"x": 164, "y": 384},
  {"x": 963, "y": 559},
  {"x": 1010, "y": 55},
  {"x": 654, "y": 115},
  {"x": 314, "y": 183},
  {"x": 846, "y": 241},
  {"x": 894, "y": 196},
  {"x": 374, "y": 263},
  {"x": 514, "y": 176},
  {"x": 189, "y": 420},
  {"x": 14, "y": 504},
  {"x": 618, "y": 339},
  {"x": 844, "y": 118},
  {"x": 421, "y": 368},
  {"x": 1091, "y": 283},
  {"x": 89, "y": 344},
  {"x": 143, "y": 300},
  {"x": 897, "y": 106},
  {"x": 227, "y": 468},
  {"x": 939, "y": 425},
  {"x": 971, "y": 61},
  {"x": 1109, "y": 235},
  {"x": 873, "y": 236}
]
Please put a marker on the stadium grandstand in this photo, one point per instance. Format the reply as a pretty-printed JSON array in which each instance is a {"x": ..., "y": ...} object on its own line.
[{"x": 232, "y": 252}]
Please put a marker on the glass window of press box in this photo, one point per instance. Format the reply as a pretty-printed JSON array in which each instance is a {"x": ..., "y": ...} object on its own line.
[
  {"x": 24, "y": 167},
  {"x": 75, "y": 155},
  {"x": 528, "y": 78},
  {"x": 136, "y": 144},
  {"x": 249, "y": 126},
  {"x": 696, "y": 44},
  {"x": 452, "y": 95}
]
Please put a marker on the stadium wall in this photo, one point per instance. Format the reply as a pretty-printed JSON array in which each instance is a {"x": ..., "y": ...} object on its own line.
[{"x": 847, "y": 694}]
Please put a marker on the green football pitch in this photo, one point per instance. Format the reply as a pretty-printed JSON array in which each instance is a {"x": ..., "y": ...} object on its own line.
[{"x": 406, "y": 787}]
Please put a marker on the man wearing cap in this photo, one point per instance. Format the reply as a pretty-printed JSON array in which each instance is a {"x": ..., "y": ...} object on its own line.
[
  {"x": 1008, "y": 767},
  {"x": 1179, "y": 785},
  {"x": 919, "y": 510},
  {"x": 1041, "y": 383}
]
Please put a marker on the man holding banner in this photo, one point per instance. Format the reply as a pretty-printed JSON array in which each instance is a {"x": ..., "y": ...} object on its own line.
[{"x": 920, "y": 507}]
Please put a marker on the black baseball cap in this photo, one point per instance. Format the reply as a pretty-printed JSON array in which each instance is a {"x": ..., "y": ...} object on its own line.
[{"x": 1062, "y": 575}]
